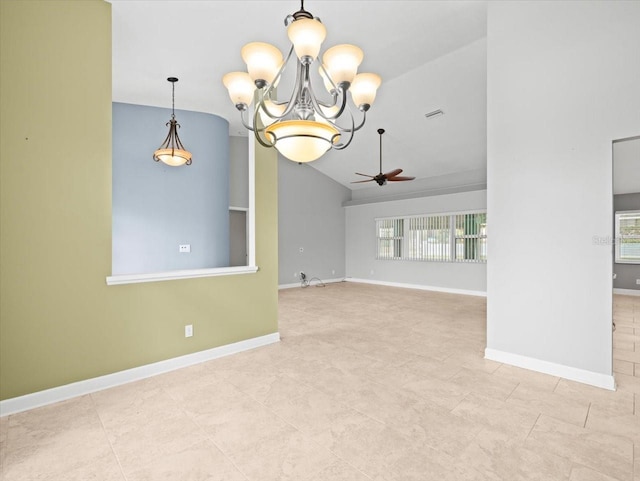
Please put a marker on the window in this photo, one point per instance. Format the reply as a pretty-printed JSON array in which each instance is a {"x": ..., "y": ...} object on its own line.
[
  {"x": 437, "y": 238},
  {"x": 471, "y": 237},
  {"x": 628, "y": 237},
  {"x": 390, "y": 234}
]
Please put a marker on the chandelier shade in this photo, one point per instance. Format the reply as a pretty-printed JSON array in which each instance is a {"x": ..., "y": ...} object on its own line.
[
  {"x": 263, "y": 61},
  {"x": 364, "y": 88},
  {"x": 342, "y": 61},
  {"x": 240, "y": 86},
  {"x": 307, "y": 36},
  {"x": 302, "y": 140},
  {"x": 172, "y": 152},
  {"x": 302, "y": 125}
]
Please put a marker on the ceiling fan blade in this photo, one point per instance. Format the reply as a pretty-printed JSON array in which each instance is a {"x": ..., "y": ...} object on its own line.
[
  {"x": 400, "y": 178},
  {"x": 361, "y": 181},
  {"x": 365, "y": 175},
  {"x": 393, "y": 173}
]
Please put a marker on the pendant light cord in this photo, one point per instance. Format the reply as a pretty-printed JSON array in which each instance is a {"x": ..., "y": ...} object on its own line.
[
  {"x": 381, "y": 152},
  {"x": 173, "y": 100}
]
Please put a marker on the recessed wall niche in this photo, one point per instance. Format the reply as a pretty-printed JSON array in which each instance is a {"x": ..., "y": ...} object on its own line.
[{"x": 155, "y": 207}]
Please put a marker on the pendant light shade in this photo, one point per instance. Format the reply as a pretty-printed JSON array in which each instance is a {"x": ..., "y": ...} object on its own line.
[{"x": 172, "y": 152}]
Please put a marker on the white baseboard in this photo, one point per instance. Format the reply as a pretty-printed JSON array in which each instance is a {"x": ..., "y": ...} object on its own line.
[
  {"x": 298, "y": 284},
  {"x": 80, "y": 388},
  {"x": 567, "y": 372},
  {"x": 448, "y": 290},
  {"x": 627, "y": 292}
]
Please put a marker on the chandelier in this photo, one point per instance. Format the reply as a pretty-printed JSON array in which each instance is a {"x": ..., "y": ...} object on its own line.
[
  {"x": 304, "y": 127},
  {"x": 172, "y": 152}
]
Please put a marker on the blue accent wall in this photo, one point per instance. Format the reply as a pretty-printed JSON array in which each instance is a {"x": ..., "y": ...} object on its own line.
[{"x": 157, "y": 207}]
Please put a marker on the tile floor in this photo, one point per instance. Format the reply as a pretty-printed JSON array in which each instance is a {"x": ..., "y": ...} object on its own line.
[{"x": 368, "y": 383}]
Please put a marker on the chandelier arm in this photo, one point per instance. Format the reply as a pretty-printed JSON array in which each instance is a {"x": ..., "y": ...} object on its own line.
[
  {"x": 316, "y": 104},
  {"x": 244, "y": 121},
  {"x": 327, "y": 105},
  {"x": 290, "y": 104},
  {"x": 268, "y": 92},
  {"x": 354, "y": 127},
  {"x": 351, "y": 131},
  {"x": 335, "y": 87},
  {"x": 279, "y": 74},
  {"x": 257, "y": 131}
]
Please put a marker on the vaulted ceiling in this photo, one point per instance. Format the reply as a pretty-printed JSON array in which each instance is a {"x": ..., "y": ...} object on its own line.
[{"x": 431, "y": 55}]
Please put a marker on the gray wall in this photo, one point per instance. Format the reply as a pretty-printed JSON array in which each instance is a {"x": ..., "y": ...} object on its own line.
[
  {"x": 626, "y": 274},
  {"x": 157, "y": 207},
  {"x": 361, "y": 244},
  {"x": 238, "y": 172},
  {"x": 310, "y": 216}
]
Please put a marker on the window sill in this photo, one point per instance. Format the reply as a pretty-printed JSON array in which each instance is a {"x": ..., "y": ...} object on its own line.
[{"x": 174, "y": 275}]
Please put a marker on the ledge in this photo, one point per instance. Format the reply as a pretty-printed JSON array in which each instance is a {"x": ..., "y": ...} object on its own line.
[{"x": 174, "y": 275}]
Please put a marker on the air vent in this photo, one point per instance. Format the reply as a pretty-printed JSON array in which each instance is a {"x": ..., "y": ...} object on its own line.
[{"x": 434, "y": 114}]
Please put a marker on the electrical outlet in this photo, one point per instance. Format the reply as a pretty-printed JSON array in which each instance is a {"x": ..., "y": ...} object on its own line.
[
  {"x": 637, "y": 282},
  {"x": 184, "y": 248},
  {"x": 188, "y": 330},
  {"x": 295, "y": 275},
  {"x": 333, "y": 272}
]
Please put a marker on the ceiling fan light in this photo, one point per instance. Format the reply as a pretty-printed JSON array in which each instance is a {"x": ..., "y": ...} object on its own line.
[
  {"x": 307, "y": 35},
  {"x": 240, "y": 87},
  {"x": 364, "y": 87},
  {"x": 263, "y": 61},
  {"x": 342, "y": 62},
  {"x": 302, "y": 140}
]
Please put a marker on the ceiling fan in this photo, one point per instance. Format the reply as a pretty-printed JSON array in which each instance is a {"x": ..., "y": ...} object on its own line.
[{"x": 381, "y": 178}]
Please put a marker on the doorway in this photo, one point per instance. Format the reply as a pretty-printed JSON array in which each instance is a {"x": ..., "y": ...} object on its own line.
[{"x": 626, "y": 255}]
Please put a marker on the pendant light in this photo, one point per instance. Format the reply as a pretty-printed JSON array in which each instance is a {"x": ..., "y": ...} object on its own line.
[{"x": 172, "y": 152}]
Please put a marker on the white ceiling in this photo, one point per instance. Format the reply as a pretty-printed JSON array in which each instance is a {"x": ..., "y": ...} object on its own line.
[{"x": 431, "y": 55}]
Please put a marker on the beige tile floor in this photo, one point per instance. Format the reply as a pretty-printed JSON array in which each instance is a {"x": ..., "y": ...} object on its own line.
[{"x": 368, "y": 383}]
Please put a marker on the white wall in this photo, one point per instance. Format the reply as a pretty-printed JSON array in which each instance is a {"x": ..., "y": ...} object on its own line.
[
  {"x": 361, "y": 244},
  {"x": 311, "y": 217},
  {"x": 626, "y": 166},
  {"x": 238, "y": 172},
  {"x": 563, "y": 83}
]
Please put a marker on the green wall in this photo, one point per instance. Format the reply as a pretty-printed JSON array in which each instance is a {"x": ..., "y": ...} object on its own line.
[{"x": 59, "y": 322}]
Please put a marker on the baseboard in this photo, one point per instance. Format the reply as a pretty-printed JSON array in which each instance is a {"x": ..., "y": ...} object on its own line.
[
  {"x": 80, "y": 388},
  {"x": 573, "y": 374},
  {"x": 448, "y": 290},
  {"x": 298, "y": 284},
  {"x": 627, "y": 292}
]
